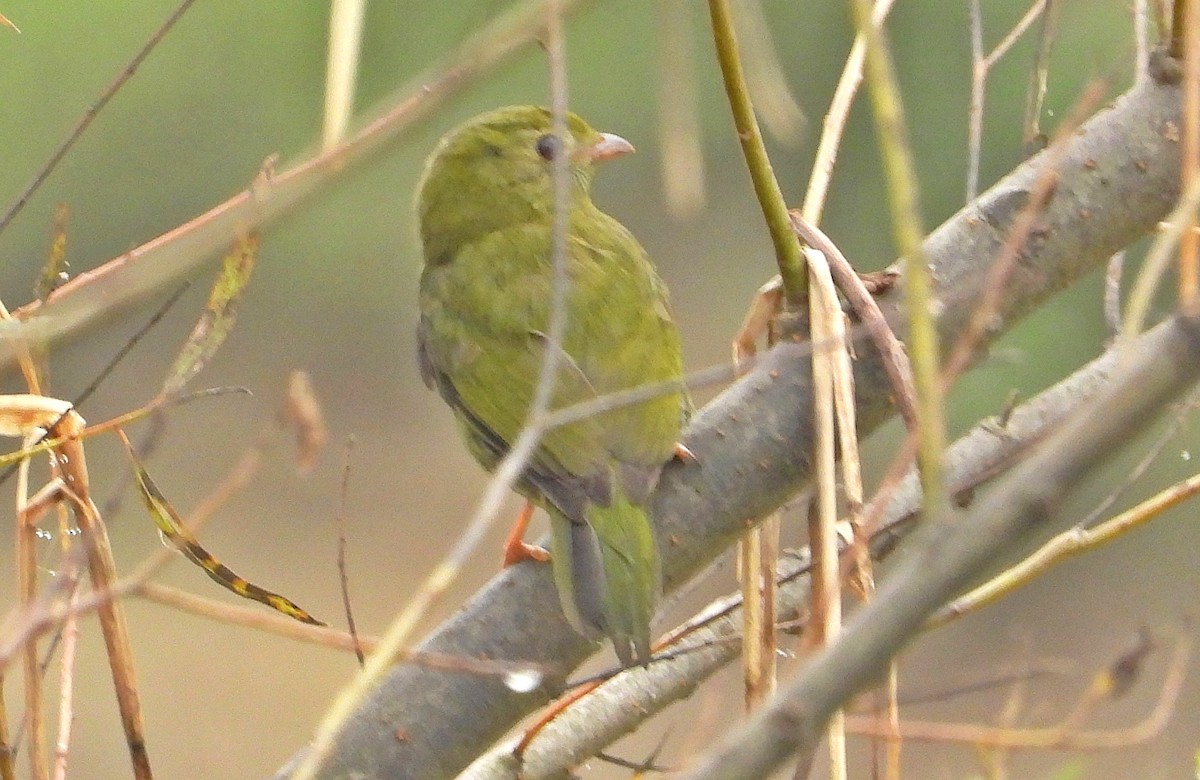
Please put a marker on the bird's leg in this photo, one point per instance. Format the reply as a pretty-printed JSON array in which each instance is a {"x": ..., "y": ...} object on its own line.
[{"x": 515, "y": 549}]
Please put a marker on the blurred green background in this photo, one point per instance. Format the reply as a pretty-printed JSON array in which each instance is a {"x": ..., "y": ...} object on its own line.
[{"x": 334, "y": 294}]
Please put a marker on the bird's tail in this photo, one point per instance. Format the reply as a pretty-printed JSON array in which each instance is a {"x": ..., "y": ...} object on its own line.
[{"x": 609, "y": 576}]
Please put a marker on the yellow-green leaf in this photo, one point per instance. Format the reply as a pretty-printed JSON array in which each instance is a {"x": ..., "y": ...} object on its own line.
[
  {"x": 173, "y": 529},
  {"x": 54, "y": 272},
  {"x": 218, "y": 316}
]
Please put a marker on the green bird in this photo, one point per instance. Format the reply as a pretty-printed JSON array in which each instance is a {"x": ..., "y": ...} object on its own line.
[{"x": 486, "y": 208}]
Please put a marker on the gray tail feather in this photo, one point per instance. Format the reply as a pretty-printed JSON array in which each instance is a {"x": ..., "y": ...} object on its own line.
[
  {"x": 584, "y": 570},
  {"x": 589, "y": 586},
  {"x": 579, "y": 575}
]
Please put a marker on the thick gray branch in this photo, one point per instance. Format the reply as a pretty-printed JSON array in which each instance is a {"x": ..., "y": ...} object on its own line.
[
  {"x": 1119, "y": 177},
  {"x": 632, "y": 698},
  {"x": 949, "y": 554}
]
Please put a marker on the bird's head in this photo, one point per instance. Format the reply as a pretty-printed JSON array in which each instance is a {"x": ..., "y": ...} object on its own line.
[{"x": 497, "y": 170}]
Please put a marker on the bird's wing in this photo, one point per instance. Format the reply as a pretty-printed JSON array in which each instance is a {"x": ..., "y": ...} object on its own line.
[
  {"x": 481, "y": 344},
  {"x": 482, "y": 341},
  {"x": 623, "y": 337}
]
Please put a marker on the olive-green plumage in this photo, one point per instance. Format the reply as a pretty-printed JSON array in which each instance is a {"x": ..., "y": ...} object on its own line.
[{"x": 485, "y": 206}]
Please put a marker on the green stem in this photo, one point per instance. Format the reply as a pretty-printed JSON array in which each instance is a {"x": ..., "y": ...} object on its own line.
[
  {"x": 1179, "y": 14},
  {"x": 770, "y": 198},
  {"x": 906, "y": 225}
]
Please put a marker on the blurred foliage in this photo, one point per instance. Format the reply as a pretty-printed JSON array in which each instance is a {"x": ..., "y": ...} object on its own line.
[{"x": 334, "y": 293}]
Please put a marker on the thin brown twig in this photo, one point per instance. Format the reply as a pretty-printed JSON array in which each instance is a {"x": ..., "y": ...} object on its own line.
[
  {"x": 113, "y": 362},
  {"x": 678, "y": 112},
  {"x": 903, "y": 199},
  {"x": 1053, "y": 737},
  {"x": 1156, "y": 262},
  {"x": 27, "y": 582},
  {"x": 7, "y": 750},
  {"x": 890, "y": 722},
  {"x": 665, "y": 649},
  {"x": 749, "y": 574},
  {"x": 31, "y": 669},
  {"x": 262, "y": 620},
  {"x": 552, "y": 713},
  {"x": 321, "y": 636},
  {"x": 72, "y": 468},
  {"x": 1039, "y": 73},
  {"x": 504, "y": 476},
  {"x": 768, "y": 300},
  {"x": 1179, "y": 29},
  {"x": 86, "y": 120},
  {"x": 1024, "y": 23},
  {"x": 1189, "y": 242},
  {"x": 66, "y": 685},
  {"x": 341, "y": 70},
  {"x": 66, "y": 579},
  {"x": 773, "y": 98},
  {"x": 981, "y": 66},
  {"x": 891, "y": 350},
  {"x": 506, "y": 473},
  {"x": 39, "y": 617},
  {"x": 1139, "y": 470},
  {"x": 1038, "y": 416},
  {"x": 1022, "y": 228},
  {"x": 343, "y": 572},
  {"x": 830, "y": 372},
  {"x": 1112, "y": 294},
  {"x": 245, "y": 616},
  {"x": 1074, "y": 541},
  {"x": 835, "y": 119},
  {"x": 169, "y": 256},
  {"x": 975, "y": 109},
  {"x": 981, "y": 317}
]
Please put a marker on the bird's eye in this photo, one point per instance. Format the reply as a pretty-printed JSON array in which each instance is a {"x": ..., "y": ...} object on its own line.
[{"x": 548, "y": 146}]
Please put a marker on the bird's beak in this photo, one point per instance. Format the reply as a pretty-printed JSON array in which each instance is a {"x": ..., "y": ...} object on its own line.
[{"x": 607, "y": 147}]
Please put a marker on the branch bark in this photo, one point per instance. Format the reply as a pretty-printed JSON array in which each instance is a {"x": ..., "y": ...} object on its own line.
[
  {"x": 951, "y": 552},
  {"x": 1118, "y": 178},
  {"x": 626, "y": 701}
]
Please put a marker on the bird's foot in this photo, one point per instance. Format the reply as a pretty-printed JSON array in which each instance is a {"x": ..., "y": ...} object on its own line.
[
  {"x": 520, "y": 551},
  {"x": 515, "y": 548}
]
